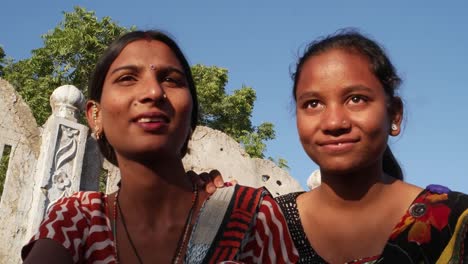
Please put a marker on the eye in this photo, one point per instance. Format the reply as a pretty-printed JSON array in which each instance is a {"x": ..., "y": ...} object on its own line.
[
  {"x": 312, "y": 104},
  {"x": 358, "y": 99},
  {"x": 126, "y": 79},
  {"x": 173, "y": 80},
  {"x": 170, "y": 80}
]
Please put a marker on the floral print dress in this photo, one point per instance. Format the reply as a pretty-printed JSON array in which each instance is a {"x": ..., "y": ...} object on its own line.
[{"x": 434, "y": 229}]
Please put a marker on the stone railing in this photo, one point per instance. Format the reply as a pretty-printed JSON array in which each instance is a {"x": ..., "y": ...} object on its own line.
[{"x": 62, "y": 158}]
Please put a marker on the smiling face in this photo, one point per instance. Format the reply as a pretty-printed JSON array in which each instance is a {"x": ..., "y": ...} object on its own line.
[
  {"x": 146, "y": 104},
  {"x": 342, "y": 112}
]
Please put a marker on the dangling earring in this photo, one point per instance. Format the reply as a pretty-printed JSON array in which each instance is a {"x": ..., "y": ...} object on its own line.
[
  {"x": 97, "y": 132},
  {"x": 394, "y": 127}
]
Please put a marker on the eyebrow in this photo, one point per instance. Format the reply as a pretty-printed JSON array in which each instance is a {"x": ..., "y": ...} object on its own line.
[
  {"x": 355, "y": 88},
  {"x": 308, "y": 95},
  {"x": 169, "y": 69},
  {"x": 125, "y": 67},
  {"x": 132, "y": 67},
  {"x": 346, "y": 90}
]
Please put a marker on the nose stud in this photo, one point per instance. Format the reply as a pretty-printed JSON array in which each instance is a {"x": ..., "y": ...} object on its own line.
[{"x": 153, "y": 67}]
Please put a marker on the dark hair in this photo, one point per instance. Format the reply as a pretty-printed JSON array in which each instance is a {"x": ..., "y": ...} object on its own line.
[
  {"x": 353, "y": 41},
  {"x": 112, "y": 52}
]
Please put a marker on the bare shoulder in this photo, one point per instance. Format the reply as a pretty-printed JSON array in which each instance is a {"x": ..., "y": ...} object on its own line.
[
  {"x": 405, "y": 188},
  {"x": 308, "y": 200},
  {"x": 403, "y": 194}
]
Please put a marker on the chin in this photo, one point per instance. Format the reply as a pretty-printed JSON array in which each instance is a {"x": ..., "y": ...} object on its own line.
[
  {"x": 334, "y": 170},
  {"x": 337, "y": 166},
  {"x": 155, "y": 151},
  {"x": 153, "y": 157}
]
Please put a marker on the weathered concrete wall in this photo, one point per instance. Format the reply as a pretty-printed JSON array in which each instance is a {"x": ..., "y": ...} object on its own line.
[
  {"x": 19, "y": 130},
  {"x": 212, "y": 149}
]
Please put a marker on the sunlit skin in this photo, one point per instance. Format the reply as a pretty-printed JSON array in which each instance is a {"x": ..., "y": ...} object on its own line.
[
  {"x": 145, "y": 113},
  {"x": 147, "y": 131},
  {"x": 133, "y": 89},
  {"x": 344, "y": 119},
  {"x": 342, "y": 113}
]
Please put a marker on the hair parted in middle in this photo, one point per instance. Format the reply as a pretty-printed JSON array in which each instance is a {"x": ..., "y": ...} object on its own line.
[
  {"x": 108, "y": 57},
  {"x": 351, "y": 40}
]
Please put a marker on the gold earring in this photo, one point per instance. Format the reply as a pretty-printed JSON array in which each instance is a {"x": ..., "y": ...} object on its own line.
[{"x": 97, "y": 132}]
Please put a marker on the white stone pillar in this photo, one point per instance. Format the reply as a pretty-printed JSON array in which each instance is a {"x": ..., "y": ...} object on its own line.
[{"x": 59, "y": 167}]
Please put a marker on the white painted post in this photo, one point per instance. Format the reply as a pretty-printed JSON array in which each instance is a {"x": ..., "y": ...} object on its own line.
[{"x": 59, "y": 167}]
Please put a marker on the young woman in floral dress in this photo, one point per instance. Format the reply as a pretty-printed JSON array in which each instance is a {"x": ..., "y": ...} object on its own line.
[{"x": 363, "y": 212}]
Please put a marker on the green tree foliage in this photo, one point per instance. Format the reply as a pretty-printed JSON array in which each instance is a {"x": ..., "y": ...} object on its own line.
[
  {"x": 71, "y": 50},
  {"x": 4, "y": 159},
  {"x": 280, "y": 162},
  {"x": 68, "y": 56},
  {"x": 2, "y": 60},
  {"x": 230, "y": 113}
]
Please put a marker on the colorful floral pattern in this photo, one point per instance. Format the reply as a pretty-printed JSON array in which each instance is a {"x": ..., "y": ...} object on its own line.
[
  {"x": 428, "y": 210},
  {"x": 434, "y": 229}
]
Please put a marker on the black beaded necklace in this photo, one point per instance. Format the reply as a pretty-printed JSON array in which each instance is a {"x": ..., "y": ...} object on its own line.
[{"x": 182, "y": 240}]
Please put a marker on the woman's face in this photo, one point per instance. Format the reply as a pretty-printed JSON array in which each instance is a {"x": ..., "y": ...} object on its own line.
[
  {"x": 342, "y": 112},
  {"x": 146, "y": 104}
]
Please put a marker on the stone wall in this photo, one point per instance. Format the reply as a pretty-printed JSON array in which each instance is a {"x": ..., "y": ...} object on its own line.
[
  {"x": 19, "y": 130},
  {"x": 212, "y": 149},
  {"x": 62, "y": 158}
]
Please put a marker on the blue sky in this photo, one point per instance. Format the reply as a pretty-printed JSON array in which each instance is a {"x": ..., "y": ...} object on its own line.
[{"x": 259, "y": 42}]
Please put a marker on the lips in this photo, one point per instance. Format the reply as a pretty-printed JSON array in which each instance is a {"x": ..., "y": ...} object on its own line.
[
  {"x": 338, "y": 145},
  {"x": 152, "y": 121},
  {"x": 337, "y": 141},
  {"x": 151, "y": 117}
]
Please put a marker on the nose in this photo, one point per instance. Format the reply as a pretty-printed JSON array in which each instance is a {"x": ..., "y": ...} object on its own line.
[
  {"x": 335, "y": 120},
  {"x": 152, "y": 91}
]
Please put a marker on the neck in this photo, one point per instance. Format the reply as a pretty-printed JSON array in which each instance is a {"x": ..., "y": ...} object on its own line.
[
  {"x": 351, "y": 189},
  {"x": 156, "y": 190}
]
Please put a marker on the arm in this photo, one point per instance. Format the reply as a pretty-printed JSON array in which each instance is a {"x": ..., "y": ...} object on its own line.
[
  {"x": 48, "y": 251},
  {"x": 269, "y": 240},
  {"x": 64, "y": 229}
]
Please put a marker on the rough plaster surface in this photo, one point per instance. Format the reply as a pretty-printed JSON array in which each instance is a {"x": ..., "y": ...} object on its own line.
[
  {"x": 212, "y": 149},
  {"x": 18, "y": 129},
  {"x": 17, "y": 124}
]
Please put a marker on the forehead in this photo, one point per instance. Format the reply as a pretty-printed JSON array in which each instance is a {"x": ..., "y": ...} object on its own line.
[
  {"x": 147, "y": 52},
  {"x": 338, "y": 68}
]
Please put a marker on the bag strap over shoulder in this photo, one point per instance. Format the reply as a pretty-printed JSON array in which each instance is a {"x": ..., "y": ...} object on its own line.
[
  {"x": 223, "y": 223},
  {"x": 212, "y": 215},
  {"x": 239, "y": 217}
]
